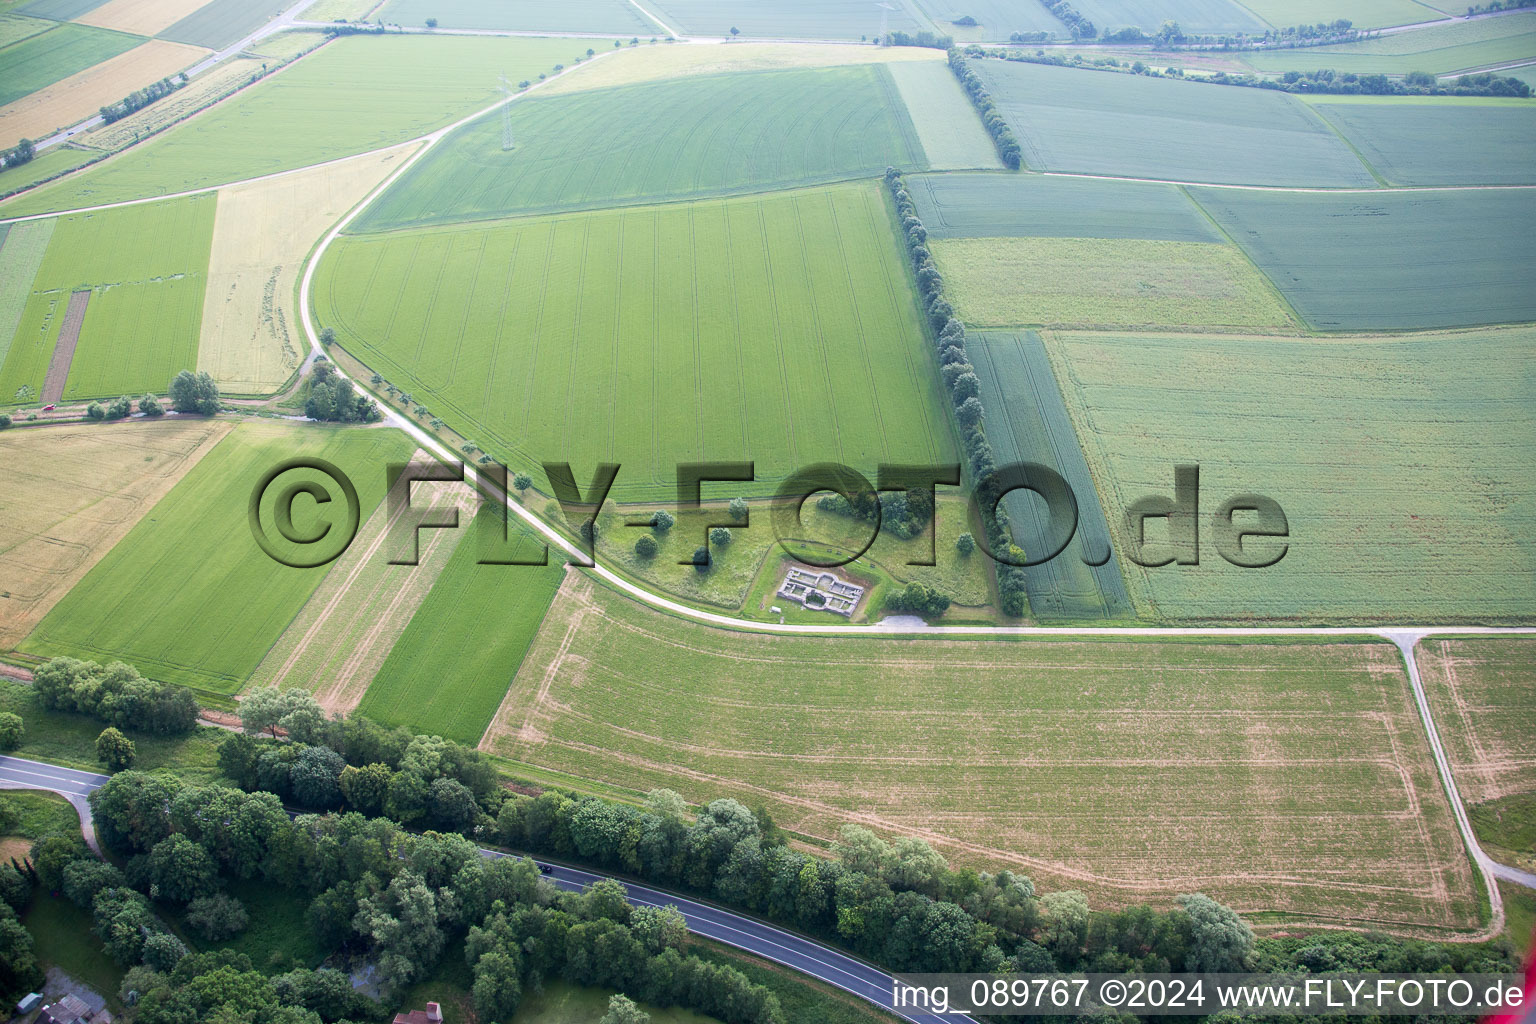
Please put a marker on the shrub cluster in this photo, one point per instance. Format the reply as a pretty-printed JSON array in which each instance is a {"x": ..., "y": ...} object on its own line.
[
  {"x": 965, "y": 393},
  {"x": 117, "y": 695},
  {"x": 141, "y": 98},
  {"x": 1002, "y": 136},
  {"x": 918, "y": 600},
  {"x": 333, "y": 399},
  {"x": 925, "y": 39}
]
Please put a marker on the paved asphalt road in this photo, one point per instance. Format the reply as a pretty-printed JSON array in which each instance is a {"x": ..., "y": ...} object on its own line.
[{"x": 764, "y": 940}]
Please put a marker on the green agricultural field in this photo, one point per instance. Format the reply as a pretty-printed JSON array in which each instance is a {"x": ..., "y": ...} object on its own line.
[
  {"x": 43, "y": 59},
  {"x": 1399, "y": 507},
  {"x": 1214, "y": 17},
  {"x": 1360, "y": 13},
  {"x": 146, "y": 267},
  {"x": 1028, "y": 422},
  {"x": 188, "y": 596},
  {"x": 1095, "y": 122},
  {"x": 947, "y": 125},
  {"x": 780, "y": 329},
  {"x": 1472, "y": 145},
  {"x": 1004, "y": 205},
  {"x": 1459, "y": 46},
  {"x": 451, "y": 667},
  {"x": 16, "y": 27},
  {"x": 785, "y": 19},
  {"x": 1479, "y": 689},
  {"x": 998, "y": 19},
  {"x": 355, "y": 95},
  {"x": 1389, "y": 260},
  {"x": 21, "y": 254},
  {"x": 662, "y": 140},
  {"x": 220, "y": 23},
  {"x": 1106, "y": 282},
  {"x": 617, "y": 16},
  {"x": 60, "y": 10},
  {"x": 1289, "y": 778},
  {"x": 52, "y": 161}
]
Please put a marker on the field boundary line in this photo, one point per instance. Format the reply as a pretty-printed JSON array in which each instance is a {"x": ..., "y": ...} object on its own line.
[{"x": 668, "y": 29}]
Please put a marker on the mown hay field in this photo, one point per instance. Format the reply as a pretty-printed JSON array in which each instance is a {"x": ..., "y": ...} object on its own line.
[
  {"x": 188, "y": 596},
  {"x": 1481, "y": 692},
  {"x": 1361, "y": 13},
  {"x": 141, "y": 17},
  {"x": 16, "y": 27},
  {"x": 952, "y": 136},
  {"x": 353, "y": 96},
  {"x": 662, "y": 140},
  {"x": 1291, "y": 779},
  {"x": 1105, "y": 282},
  {"x": 73, "y": 99},
  {"x": 252, "y": 340},
  {"x": 1213, "y": 17},
  {"x": 780, "y": 329},
  {"x": 1403, "y": 467},
  {"x": 450, "y": 670},
  {"x": 1458, "y": 46},
  {"x": 617, "y": 16},
  {"x": 87, "y": 487},
  {"x": 1067, "y": 119},
  {"x": 650, "y": 62},
  {"x": 1386, "y": 261},
  {"x": 784, "y": 19},
  {"x": 1027, "y": 421},
  {"x": 1028, "y": 205},
  {"x": 337, "y": 643},
  {"x": 340, "y": 10},
  {"x": 218, "y": 23},
  {"x": 146, "y": 267},
  {"x": 1473, "y": 145},
  {"x": 43, "y": 59}
]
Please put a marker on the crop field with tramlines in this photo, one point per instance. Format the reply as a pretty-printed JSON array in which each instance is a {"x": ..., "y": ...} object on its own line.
[
  {"x": 1480, "y": 691},
  {"x": 778, "y": 329},
  {"x": 1400, "y": 510},
  {"x": 188, "y": 596},
  {"x": 1289, "y": 778},
  {"x": 351, "y": 96},
  {"x": 664, "y": 140},
  {"x": 616, "y": 16},
  {"x": 1390, "y": 136},
  {"x": 144, "y": 269},
  {"x": 42, "y": 59},
  {"x": 1127, "y": 125},
  {"x": 1388, "y": 261},
  {"x": 1438, "y": 49}
]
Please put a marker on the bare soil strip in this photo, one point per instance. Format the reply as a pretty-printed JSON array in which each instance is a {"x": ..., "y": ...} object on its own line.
[{"x": 64, "y": 348}]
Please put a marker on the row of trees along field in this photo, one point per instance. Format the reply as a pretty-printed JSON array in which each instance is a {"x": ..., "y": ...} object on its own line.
[
  {"x": 1323, "y": 80},
  {"x": 1002, "y": 136},
  {"x": 965, "y": 392}
]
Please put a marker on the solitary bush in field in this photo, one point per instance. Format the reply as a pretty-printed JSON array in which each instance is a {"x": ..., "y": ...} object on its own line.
[
  {"x": 701, "y": 560},
  {"x": 645, "y": 547},
  {"x": 739, "y": 509},
  {"x": 965, "y": 544},
  {"x": 522, "y": 481},
  {"x": 720, "y": 536},
  {"x": 11, "y": 730},
  {"x": 663, "y": 521}
]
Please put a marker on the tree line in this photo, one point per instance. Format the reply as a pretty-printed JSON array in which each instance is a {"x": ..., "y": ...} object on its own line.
[
  {"x": 965, "y": 392},
  {"x": 1079, "y": 26},
  {"x": 141, "y": 98},
  {"x": 374, "y": 890},
  {"x": 1002, "y": 136},
  {"x": 1326, "y": 80},
  {"x": 117, "y": 695}
]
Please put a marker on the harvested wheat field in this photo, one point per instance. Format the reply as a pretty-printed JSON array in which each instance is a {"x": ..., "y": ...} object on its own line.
[
  {"x": 80, "y": 95},
  {"x": 1483, "y": 694},
  {"x": 141, "y": 17},
  {"x": 1290, "y": 779},
  {"x": 337, "y": 643},
  {"x": 251, "y": 340},
  {"x": 86, "y": 487},
  {"x": 652, "y": 63}
]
